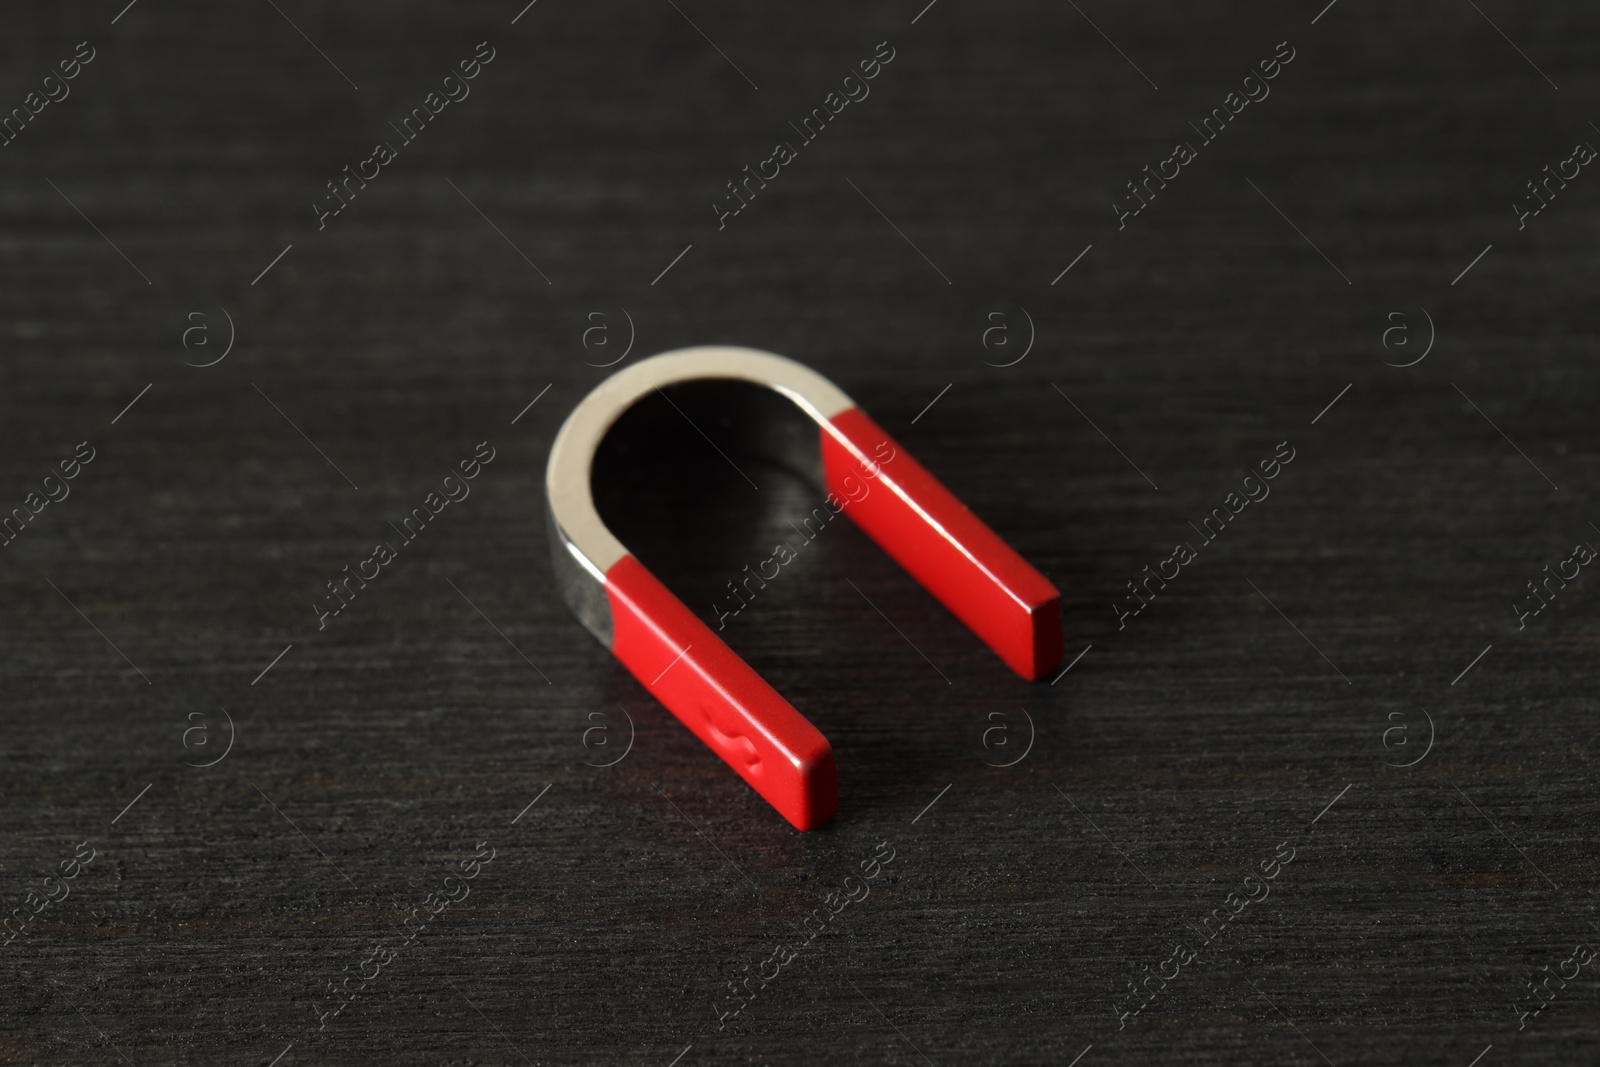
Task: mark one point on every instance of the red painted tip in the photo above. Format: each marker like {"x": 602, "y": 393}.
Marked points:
{"x": 718, "y": 696}
{"x": 916, "y": 520}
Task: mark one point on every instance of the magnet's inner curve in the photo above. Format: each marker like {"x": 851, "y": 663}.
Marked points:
{"x": 702, "y": 474}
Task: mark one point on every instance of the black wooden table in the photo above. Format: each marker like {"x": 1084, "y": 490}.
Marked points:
{"x": 1318, "y": 789}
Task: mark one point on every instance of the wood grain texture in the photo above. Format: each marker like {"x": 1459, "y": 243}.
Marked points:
{"x": 1172, "y": 760}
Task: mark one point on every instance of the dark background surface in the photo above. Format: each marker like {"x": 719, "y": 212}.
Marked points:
{"x": 371, "y": 759}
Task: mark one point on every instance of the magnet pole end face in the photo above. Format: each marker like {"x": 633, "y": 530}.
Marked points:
{"x": 816, "y": 801}
{"x": 1043, "y": 645}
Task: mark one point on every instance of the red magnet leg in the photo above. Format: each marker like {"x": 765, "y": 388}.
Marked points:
{"x": 935, "y": 537}
{"x": 715, "y": 693}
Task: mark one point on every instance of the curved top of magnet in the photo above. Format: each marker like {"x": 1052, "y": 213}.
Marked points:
{"x": 567, "y": 478}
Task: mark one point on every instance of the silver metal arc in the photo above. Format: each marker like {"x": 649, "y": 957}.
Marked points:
{"x": 581, "y": 546}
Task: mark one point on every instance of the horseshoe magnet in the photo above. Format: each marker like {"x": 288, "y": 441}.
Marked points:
{"x": 821, "y": 433}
